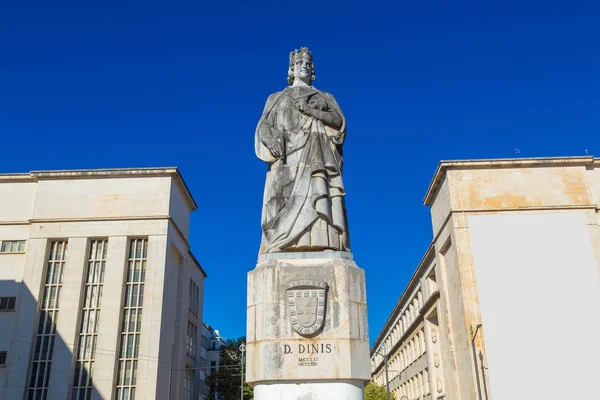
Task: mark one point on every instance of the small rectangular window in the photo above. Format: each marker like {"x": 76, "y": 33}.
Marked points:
{"x": 7, "y": 303}
{"x": 12, "y": 246}
{"x": 3, "y": 355}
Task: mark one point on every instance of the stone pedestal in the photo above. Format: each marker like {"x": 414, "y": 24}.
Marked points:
{"x": 307, "y": 335}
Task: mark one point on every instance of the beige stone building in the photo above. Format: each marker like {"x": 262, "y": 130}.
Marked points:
{"x": 505, "y": 303}
{"x": 100, "y": 296}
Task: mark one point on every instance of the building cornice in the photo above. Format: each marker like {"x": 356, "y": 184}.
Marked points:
{"x": 445, "y": 165}
{"x": 19, "y": 177}
{"x": 195, "y": 261}
{"x": 173, "y": 172}
{"x": 97, "y": 219}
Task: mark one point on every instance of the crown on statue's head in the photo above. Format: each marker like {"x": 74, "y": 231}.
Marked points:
{"x": 296, "y": 55}
{"x": 299, "y": 54}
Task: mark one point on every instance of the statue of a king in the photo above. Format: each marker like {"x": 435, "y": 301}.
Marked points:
{"x": 300, "y": 135}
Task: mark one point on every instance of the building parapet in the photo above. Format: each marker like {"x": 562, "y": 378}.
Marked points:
{"x": 35, "y": 176}
{"x": 444, "y": 165}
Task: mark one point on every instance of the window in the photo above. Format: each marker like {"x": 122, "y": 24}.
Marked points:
{"x": 431, "y": 282}
{"x": 41, "y": 359}
{"x": 191, "y": 340}
{"x": 7, "y": 303}
{"x": 132, "y": 320}
{"x": 3, "y": 356}
{"x": 188, "y": 384}
{"x": 12, "y": 246}
{"x": 193, "y": 297}
{"x": 190, "y": 297}
{"x": 88, "y": 326}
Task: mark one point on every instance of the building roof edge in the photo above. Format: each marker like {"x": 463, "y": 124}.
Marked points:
{"x": 444, "y": 165}
{"x": 195, "y": 261}
{"x": 102, "y": 173}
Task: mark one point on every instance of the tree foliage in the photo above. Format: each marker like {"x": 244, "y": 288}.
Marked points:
{"x": 225, "y": 383}
{"x": 376, "y": 392}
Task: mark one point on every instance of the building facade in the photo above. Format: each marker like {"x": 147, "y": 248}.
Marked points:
{"x": 103, "y": 296}
{"x": 210, "y": 355}
{"x": 505, "y": 302}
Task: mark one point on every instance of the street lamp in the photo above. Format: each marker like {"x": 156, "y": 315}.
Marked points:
{"x": 473, "y": 336}
{"x": 385, "y": 361}
{"x": 243, "y": 349}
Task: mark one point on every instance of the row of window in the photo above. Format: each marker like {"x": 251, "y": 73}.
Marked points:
{"x": 408, "y": 316}
{"x": 416, "y": 387}
{"x": 410, "y": 352}
{"x": 41, "y": 358}
{"x": 85, "y": 351}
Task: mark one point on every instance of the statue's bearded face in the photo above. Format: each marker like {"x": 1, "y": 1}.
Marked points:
{"x": 303, "y": 69}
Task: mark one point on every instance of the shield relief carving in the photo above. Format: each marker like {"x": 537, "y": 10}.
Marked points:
{"x": 306, "y": 300}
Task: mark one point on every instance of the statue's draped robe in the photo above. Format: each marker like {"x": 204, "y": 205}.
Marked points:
{"x": 303, "y": 207}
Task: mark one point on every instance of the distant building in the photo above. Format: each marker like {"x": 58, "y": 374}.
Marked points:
{"x": 99, "y": 293}
{"x": 210, "y": 353}
{"x": 506, "y": 300}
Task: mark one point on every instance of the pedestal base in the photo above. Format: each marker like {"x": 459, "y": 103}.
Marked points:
{"x": 338, "y": 390}
{"x": 307, "y": 335}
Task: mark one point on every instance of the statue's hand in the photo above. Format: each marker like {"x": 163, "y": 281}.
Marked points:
{"x": 276, "y": 148}
{"x": 302, "y": 106}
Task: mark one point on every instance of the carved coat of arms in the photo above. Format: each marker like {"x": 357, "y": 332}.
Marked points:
{"x": 306, "y": 300}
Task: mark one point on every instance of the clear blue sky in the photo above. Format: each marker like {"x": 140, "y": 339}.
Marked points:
{"x": 138, "y": 85}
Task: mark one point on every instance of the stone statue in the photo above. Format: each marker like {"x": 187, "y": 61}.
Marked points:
{"x": 300, "y": 135}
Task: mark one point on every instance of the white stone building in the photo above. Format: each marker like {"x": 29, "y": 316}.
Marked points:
{"x": 210, "y": 355}
{"x": 505, "y": 304}
{"x": 101, "y": 297}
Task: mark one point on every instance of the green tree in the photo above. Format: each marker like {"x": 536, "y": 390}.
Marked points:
{"x": 376, "y": 392}
{"x": 225, "y": 383}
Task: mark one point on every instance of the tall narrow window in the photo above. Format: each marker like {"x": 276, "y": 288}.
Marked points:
{"x": 41, "y": 359}
{"x": 188, "y": 384}
{"x": 132, "y": 320}
{"x": 193, "y": 297}
{"x": 192, "y": 331}
{"x": 190, "y": 296}
{"x": 88, "y": 328}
